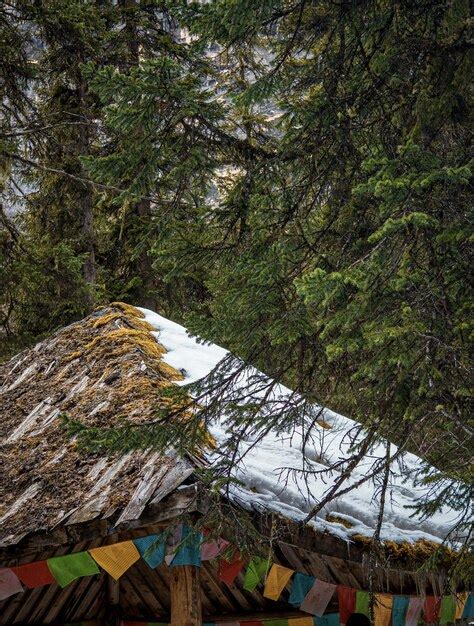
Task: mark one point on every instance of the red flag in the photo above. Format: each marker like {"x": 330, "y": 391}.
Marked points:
{"x": 228, "y": 570}
{"x": 252, "y": 623}
{"x": 431, "y": 609}
{"x": 347, "y": 602}
{"x": 34, "y": 574}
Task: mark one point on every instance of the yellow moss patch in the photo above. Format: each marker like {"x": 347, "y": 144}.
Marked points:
{"x": 128, "y": 309}
{"x": 127, "y": 338}
{"x": 417, "y": 552}
{"x": 338, "y": 520}
{"x": 137, "y": 323}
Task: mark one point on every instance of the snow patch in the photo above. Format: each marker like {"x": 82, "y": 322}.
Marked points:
{"x": 266, "y": 486}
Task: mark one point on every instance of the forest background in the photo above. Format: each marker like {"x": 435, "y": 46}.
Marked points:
{"x": 287, "y": 178}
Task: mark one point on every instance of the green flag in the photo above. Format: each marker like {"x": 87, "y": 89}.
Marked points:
{"x": 448, "y": 610}
{"x": 67, "y": 568}
{"x": 362, "y": 603}
{"x": 256, "y": 572}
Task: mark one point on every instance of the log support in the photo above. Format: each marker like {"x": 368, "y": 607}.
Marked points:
{"x": 185, "y": 596}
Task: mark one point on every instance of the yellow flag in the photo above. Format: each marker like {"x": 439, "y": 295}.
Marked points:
{"x": 460, "y": 601}
{"x": 117, "y": 558}
{"x": 277, "y": 578}
{"x": 382, "y": 609}
{"x": 300, "y": 621}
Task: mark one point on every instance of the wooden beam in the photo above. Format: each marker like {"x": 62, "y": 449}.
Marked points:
{"x": 185, "y": 596}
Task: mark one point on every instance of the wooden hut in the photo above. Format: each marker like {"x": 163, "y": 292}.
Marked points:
{"x": 57, "y": 499}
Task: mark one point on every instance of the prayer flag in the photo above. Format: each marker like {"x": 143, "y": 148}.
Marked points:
{"x": 347, "y": 599}
{"x": 330, "y": 619}
{"x": 34, "y": 574}
{"x": 276, "y": 581}
{"x": 362, "y": 603}
{"x": 227, "y": 623}
{"x": 212, "y": 548}
{"x": 67, "y": 568}
{"x": 9, "y": 583}
{"x": 460, "y": 603}
{"x": 116, "y": 558}
{"x": 468, "y": 610}
{"x": 383, "y": 609}
{"x": 300, "y": 621}
{"x": 276, "y": 622}
{"x": 256, "y": 571}
{"x": 399, "y": 610}
{"x": 172, "y": 542}
{"x": 300, "y": 585}
{"x": 448, "y": 610}
{"x": 189, "y": 551}
{"x": 253, "y": 623}
{"x": 414, "y": 611}
{"x": 152, "y": 549}
{"x": 318, "y": 598}
{"x": 431, "y": 609}
{"x": 229, "y": 570}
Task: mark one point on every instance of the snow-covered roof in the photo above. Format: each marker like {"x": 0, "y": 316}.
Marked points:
{"x": 260, "y": 472}
{"x": 111, "y": 368}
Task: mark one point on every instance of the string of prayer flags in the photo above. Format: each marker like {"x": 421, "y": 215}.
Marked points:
{"x": 414, "y": 611}
{"x": 460, "y": 600}
{"x": 152, "y": 549}
{"x": 9, "y": 583}
{"x": 116, "y": 558}
{"x": 318, "y": 598}
{"x": 330, "y": 619}
{"x": 277, "y": 579}
{"x": 347, "y": 600}
{"x": 189, "y": 551}
{"x": 230, "y": 569}
{"x": 300, "y": 585}
{"x": 256, "y": 571}
{"x": 67, "y": 568}
{"x": 399, "y": 610}
{"x": 34, "y": 574}
{"x": 276, "y": 622}
{"x": 468, "y": 610}
{"x": 362, "y": 602}
{"x": 383, "y": 609}
{"x": 431, "y": 609}
{"x": 447, "y": 610}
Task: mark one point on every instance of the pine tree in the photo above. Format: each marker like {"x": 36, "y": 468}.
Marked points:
{"x": 334, "y": 256}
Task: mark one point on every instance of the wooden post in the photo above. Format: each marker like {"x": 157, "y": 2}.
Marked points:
{"x": 112, "y": 610}
{"x": 185, "y": 594}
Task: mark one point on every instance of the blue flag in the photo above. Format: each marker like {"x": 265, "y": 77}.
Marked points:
{"x": 469, "y": 607}
{"x": 152, "y": 549}
{"x": 330, "y": 619}
{"x": 300, "y": 586}
{"x": 189, "y": 550}
{"x": 399, "y": 610}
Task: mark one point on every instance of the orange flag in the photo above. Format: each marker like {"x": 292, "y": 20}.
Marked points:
{"x": 460, "y": 601}
{"x": 276, "y": 581}
{"x": 117, "y": 558}
{"x": 382, "y": 609}
{"x": 301, "y": 621}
